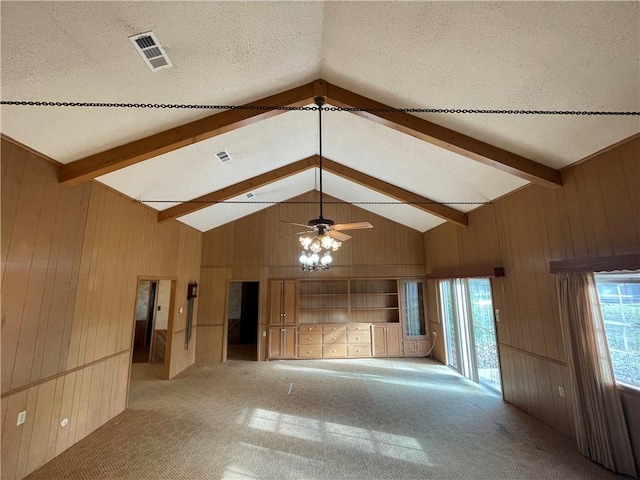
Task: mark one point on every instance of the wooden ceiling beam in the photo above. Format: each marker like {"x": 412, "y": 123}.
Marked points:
{"x": 443, "y": 211}
{"x": 137, "y": 151}
{"x": 445, "y": 138}
{"x": 237, "y": 189}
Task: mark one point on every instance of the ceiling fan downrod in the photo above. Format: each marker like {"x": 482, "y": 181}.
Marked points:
{"x": 320, "y": 101}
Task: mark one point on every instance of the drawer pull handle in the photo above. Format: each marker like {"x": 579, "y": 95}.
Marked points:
{"x": 308, "y": 338}
{"x": 333, "y": 338}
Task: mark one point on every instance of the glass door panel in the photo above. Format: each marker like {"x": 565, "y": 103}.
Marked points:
{"x": 467, "y": 311}
{"x": 412, "y": 292}
{"x": 447, "y": 308}
{"x": 484, "y": 334}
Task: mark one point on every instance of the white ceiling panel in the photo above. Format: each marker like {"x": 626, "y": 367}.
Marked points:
{"x": 219, "y": 214}
{"x": 194, "y": 170}
{"x": 496, "y": 55}
{"x": 412, "y": 164}
{"x": 282, "y": 190}
{"x": 224, "y": 53}
{"x": 351, "y": 192}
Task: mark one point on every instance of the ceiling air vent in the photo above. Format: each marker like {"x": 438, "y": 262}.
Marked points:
{"x": 251, "y": 195}
{"x": 223, "y": 156}
{"x": 151, "y": 51}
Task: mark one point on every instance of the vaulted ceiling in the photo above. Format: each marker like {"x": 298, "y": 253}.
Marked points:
{"x": 460, "y": 55}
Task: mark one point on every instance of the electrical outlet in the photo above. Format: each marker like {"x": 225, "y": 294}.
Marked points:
{"x": 22, "y": 417}
{"x": 561, "y": 391}
{"x": 264, "y": 334}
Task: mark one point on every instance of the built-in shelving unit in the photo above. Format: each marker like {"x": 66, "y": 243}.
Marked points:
{"x": 374, "y": 300}
{"x": 344, "y": 318}
{"x": 322, "y": 301}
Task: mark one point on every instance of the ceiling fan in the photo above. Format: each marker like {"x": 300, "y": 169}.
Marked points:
{"x": 323, "y": 234}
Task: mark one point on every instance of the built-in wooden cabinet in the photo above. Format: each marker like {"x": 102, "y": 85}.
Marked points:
{"x": 386, "y": 340}
{"x": 413, "y": 319}
{"x": 347, "y": 318}
{"x": 282, "y": 342}
{"x": 358, "y": 340}
{"x": 282, "y": 302}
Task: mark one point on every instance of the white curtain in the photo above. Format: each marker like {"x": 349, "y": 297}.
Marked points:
{"x": 601, "y": 431}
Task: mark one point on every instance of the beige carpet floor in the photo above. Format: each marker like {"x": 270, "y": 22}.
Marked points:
{"x": 324, "y": 419}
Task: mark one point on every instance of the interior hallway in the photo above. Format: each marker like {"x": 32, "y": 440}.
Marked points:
{"x": 340, "y": 419}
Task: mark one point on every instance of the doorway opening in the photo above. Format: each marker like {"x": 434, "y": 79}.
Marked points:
{"x": 153, "y": 307}
{"x": 242, "y": 321}
{"x": 470, "y": 334}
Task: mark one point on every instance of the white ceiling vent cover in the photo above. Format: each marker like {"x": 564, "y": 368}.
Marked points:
{"x": 151, "y": 51}
{"x": 223, "y": 156}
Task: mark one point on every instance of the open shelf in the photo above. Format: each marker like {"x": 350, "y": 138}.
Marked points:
{"x": 368, "y": 300}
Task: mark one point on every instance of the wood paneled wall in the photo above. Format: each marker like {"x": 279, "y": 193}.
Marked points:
{"x": 252, "y": 248}
{"x": 71, "y": 258}
{"x": 596, "y": 213}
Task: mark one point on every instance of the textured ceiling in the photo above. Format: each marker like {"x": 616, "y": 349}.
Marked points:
{"x": 503, "y": 55}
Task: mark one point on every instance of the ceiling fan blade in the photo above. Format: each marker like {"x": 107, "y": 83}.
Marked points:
{"x": 294, "y": 223}
{"x": 342, "y": 237}
{"x": 352, "y": 226}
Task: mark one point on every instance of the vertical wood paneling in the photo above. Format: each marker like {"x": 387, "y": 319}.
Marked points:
{"x": 255, "y": 247}
{"x": 66, "y": 409}
{"x": 11, "y": 435}
{"x": 596, "y": 213}
{"x": 71, "y": 259}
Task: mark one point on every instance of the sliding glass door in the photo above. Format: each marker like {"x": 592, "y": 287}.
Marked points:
{"x": 467, "y": 312}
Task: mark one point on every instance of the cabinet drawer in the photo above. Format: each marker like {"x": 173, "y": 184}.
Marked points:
{"x": 333, "y": 338}
{"x": 359, "y": 350}
{"x": 310, "y": 338}
{"x": 359, "y": 327}
{"x": 309, "y": 328}
{"x": 358, "y": 337}
{"x": 334, "y": 328}
{"x": 334, "y": 351}
{"x": 309, "y": 351}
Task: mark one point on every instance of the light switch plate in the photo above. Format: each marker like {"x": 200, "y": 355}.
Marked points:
{"x": 22, "y": 417}
{"x": 561, "y": 391}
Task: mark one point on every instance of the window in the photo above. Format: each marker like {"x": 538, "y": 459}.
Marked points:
{"x": 619, "y": 295}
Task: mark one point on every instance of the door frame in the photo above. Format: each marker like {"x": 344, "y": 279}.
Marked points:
{"x": 260, "y": 340}
{"x": 170, "y": 321}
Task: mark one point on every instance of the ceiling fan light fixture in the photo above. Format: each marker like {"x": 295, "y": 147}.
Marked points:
{"x": 316, "y": 254}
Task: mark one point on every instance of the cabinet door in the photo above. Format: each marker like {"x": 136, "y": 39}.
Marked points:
{"x": 410, "y": 348}
{"x": 394, "y": 347}
{"x": 275, "y": 302}
{"x": 378, "y": 341}
{"x": 413, "y": 309}
{"x": 275, "y": 343}
{"x": 289, "y": 302}
{"x": 288, "y": 342}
